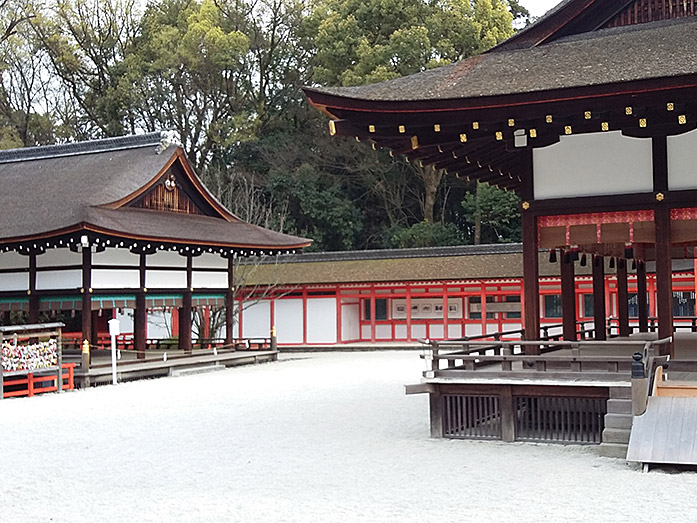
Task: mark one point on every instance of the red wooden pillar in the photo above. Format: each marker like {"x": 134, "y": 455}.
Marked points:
{"x": 409, "y": 338}
{"x": 482, "y": 306}
{"x": 304, "y": 297}
{"x": 622, "y": 298}
{"x": 641, "y": 297}
{"x": 599, "y": 311}
{"x": 445, "y": 313}
{"x": 568, "y": 297}
{"x": 230, "y": 301}
{"x": 372, "y": 315}
{"x": 140, "y": 314}
{"x": 339, "y": 335}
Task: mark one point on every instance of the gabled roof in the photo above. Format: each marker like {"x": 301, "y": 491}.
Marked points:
{"x": 90, "y": 186}
{"x": 608, "y": 56}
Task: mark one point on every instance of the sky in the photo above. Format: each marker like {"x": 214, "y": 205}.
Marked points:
{"x": 539, "y": 7}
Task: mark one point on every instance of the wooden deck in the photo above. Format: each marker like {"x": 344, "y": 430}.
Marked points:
{"x": 166, "y": 363}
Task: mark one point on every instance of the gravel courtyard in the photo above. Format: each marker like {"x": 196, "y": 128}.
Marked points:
{"x": 310, "y": 438}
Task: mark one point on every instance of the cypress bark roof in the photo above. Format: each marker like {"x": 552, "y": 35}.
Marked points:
{"x": 617, "y": 55}
{"x": 52, "y": 190}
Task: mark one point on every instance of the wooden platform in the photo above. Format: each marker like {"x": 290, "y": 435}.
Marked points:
{"x": 157, "y": 366}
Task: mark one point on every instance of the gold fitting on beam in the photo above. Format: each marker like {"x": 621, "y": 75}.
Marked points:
{"x": 414, "y": 142}
{"x": 436, "y": 128}
{"x": 682, "y": 119}
{"x": 475, "y": 125}
{"x": 371, "y": 128}
{"x": 332, "y": 128}
{"x": 660, "y": 197}
{"x": 670, "y": 106}
{"x": 29, "y": 292}
{"x": 549, "y": 119}
{"x": 525, "y": 205}
{"x": 605, "y": 126}
{"x": 499, "y": 135}
{"x": 642, "y": 122}
{"x": 628, "y": 110}
{"x": 587, "y": 115}
{"x": 401, "y": 129}
{"x": 511, "y": 122}
{"x": 568, "y": 129}
{"x": 533, "y": 133}
{"x": 463, "y": 137}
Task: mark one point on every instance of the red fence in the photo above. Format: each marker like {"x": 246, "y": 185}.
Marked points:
{"x": 30, "y": 383}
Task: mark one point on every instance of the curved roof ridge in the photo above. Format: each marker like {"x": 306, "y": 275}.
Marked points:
{"x": 77, "y": 148}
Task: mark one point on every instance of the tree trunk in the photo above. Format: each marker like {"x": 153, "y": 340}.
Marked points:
{"x": 431, "y": 178}
{"x": 477, "y": 217}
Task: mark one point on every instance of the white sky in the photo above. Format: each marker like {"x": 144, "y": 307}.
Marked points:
{"x": 539, "y": 7}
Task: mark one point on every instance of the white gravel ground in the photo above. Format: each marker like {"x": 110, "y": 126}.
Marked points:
{"x": 311, "y": 438}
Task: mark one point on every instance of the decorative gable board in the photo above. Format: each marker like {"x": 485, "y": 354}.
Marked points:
{"x": 174, "y": 192}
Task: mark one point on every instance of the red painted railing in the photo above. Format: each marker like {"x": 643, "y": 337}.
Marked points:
{"x": 44, "y": 382}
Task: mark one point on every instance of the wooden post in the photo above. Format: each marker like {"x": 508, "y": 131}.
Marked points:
{"x": 622, "y": 298}
{"x": 599, "y": 314}
{"x": 408, "y": 311}
{"x": 86, "y": 300}
{"x": 372, "y": 315}
{"x": 531, "y": 285}
{"x": 568, "y": 297}
{"x": 33, "y": 296}
{"x": 436, "y": 411}
{"x": 140, "y": 319}
{"x": 185, "y": 312}
{"x": 641, "y": 296}
{"x": 664, "y": 274}
{"x": 230, "y": 301}
{"x": 507, "y": 414}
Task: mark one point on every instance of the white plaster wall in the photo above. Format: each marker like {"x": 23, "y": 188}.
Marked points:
{"x": 454, "y": 332}
{"x": 593, "y": 164}
{"x": 289, "y": 320}
{"x": 115, "y": 279}
{"x": 321, "y": 320}
{"x": 58, "y": 258}
{"x": 155, "y": 279}
{"x": 166, "y": 259}
{"x": 12, "y": 260}
{"x": 350, "y": 321}
{"x": 209, "y": 280}
{"x": 211, "y": 261}
{"x": 512, "y": 326}
{"x": 116, "y": 257}
{"x": 418, "y": 331}
{"x": 52, "y": 280}
{"x": 256, "y": 320}
{"x": 492, "y": 328}
{"x": 365, "y": 332}
{"x": 473, "y": 330}
{"x": 14, "y": 281}
{"x": 436, "y": 331}
{"x": 682, "y": 161}
{"x": 400, "y": 332}
{"x": 383, "y": 332}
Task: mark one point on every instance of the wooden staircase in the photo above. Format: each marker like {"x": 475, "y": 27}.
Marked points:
{"x": 618, "y": 423}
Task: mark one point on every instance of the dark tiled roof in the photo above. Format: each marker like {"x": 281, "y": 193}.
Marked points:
{"x": 608, "y": 56}
{"x": 56, "y": 188}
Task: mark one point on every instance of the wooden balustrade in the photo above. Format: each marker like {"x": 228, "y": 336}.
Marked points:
{"x": 23, "y": 383}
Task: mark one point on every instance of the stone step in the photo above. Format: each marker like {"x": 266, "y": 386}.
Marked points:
{"x": 621, "y": 392}
{"x": 618, "y": 421}
{"x": 619, "y": 406}
{"x": 612, "y": 435}
{"x": 196, "y": 370}
{"x": 613, "y": 450}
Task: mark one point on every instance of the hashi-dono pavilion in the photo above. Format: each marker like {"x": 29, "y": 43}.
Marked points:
{"x": 589, "y": 115}
{"x": 118, "y": 223}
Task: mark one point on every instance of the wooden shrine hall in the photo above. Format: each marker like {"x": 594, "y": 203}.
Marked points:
{"x": 118, "y": 223}
{"x": 589, "y": 114}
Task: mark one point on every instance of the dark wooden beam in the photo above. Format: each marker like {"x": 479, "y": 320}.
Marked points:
{"x": 664, "y": 273}
{"x": 641, "y": 296}
{"x": 87, "y": 294}
{"x": 33, "y": 295}
{"x": 599, "y": 313}
{"x": 531, "y": 274}
{"x": 568, "y": 296}
{"x": 186, "y": 309}
{"x": 622, "y": 298}
{"x": 140, "y": 314}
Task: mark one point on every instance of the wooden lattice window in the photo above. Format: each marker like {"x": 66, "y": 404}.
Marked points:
{"x": 168, "y": 195}
{"x": 643, "y": 11}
